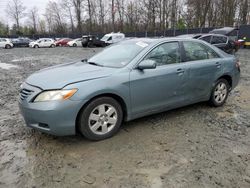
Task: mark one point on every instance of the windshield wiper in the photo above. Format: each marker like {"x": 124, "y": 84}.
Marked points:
{"x": 96, "y": 64}
{"x": 91, "y": 63}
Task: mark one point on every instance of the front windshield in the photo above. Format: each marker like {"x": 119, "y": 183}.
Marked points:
{"x": 118, "y": 55}
{"x": 105, "y": 38}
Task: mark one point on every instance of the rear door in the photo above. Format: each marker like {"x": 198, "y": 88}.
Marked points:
{"x": 204, "y": 67}
{"x": 48, "y": 42}
{"x": 156, "y": 89}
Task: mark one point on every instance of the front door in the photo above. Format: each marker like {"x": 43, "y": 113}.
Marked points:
{"x": 155, "y": 89}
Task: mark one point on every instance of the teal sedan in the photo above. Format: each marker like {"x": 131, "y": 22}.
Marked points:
{"x": 125, "y": 81}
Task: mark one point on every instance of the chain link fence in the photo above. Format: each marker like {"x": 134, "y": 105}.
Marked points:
{"x": 243, "y": 31}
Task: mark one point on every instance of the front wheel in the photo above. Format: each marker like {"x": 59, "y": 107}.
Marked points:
{"x": 74, "y": 45}
{"x": 100, "y": 119}
{"x": 52, "y": 46}
{"x": 219, "y": 93}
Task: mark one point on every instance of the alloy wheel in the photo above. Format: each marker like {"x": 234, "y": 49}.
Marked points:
{"x": 220, "y": 92}
{"x": 102, "y": 119}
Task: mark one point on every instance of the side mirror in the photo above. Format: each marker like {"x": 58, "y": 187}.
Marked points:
{"x": 147, "y": 64}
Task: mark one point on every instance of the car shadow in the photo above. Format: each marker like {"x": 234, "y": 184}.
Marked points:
{"x": 137, "y": 123}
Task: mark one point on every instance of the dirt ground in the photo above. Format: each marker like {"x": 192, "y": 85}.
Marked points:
{"x": 194, "y": 146}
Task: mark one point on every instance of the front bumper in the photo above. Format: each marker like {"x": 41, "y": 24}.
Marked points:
{"x": 52, "y": 117}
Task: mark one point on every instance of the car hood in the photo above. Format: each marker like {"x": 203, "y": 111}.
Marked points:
{"x": 59, "y": 76}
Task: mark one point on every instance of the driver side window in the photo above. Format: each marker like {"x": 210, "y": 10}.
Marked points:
{"x": 164, "y": 54}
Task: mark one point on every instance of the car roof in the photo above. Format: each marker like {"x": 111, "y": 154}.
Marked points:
{"x": 190, "y": 35}
{"x": 212, "y": 34}
{"x": 154, "y": 41}
{"x": 224, "y": 30}
{"x": 196, "y": 36}
{"x": 112, "y": 34}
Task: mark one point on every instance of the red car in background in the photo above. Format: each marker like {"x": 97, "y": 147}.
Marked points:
{"x": 62, "y": 42}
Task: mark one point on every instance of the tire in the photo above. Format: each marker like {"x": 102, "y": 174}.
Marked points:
{"x": 96, "y": 128}
{"x": 7, "y": 46}
{"x": 219, "y": 93}
{"x": 36, "y": 46}
{"x": 90, "y": 45}
{"x": 74, "y": 45}
{"x": 52, "y": 46}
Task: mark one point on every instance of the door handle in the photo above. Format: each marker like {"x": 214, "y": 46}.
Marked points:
{"x": 180, "y": 71}
{"x": 218, "y": 64}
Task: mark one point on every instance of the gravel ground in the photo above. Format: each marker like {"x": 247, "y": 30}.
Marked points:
{"x": 194, "y": 146}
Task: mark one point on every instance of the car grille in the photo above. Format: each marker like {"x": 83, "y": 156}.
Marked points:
{"x": 24, "y": 93}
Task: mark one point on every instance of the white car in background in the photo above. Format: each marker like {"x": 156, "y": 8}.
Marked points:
{"x": 6, "y": 43}
{"x": 75, "y": 42}
{"x": 112, "y": 38}
{"x": 43, "y": 43}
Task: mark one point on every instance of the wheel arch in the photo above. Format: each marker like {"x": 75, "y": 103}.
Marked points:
{"x": 228, "y": 78}
{"x": 118, "y": 98}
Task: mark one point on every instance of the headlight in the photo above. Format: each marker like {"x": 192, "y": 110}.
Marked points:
{"x": 55, "y": 95}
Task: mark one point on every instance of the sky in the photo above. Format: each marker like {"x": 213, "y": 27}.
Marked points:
{"x": 40, "y": 4}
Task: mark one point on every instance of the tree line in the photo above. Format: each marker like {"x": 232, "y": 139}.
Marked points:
{"x": 88, "y": 16}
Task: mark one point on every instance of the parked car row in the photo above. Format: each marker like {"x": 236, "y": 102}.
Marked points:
{"x": 221, "y": 41}
{"x": 84, "y": 41}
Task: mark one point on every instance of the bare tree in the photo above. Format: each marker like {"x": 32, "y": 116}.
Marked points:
{"x": 33, "y": 18}
{"x": 15, "y": 11}
{"x": 78, "y": 5}
{"x": 120, "y": 9}
{"x": 55, "y": 17}
{"x": 89, "y": 4}
{"x": 42, "y": 26}
{"x": 113, "y": 10}
{"x": 101, "y": 15}
{"x": 67, "y": 5}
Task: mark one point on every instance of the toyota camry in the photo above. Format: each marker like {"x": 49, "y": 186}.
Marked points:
{"x": 125, "y": 81}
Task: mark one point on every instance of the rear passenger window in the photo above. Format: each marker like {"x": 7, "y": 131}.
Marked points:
{"x": 164, "y": 54}
{"x": 206, "y": 38}
{"x": 195, "y": 51}
{"x": 219, "y": 40}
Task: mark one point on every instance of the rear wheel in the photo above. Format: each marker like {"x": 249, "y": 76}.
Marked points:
{"x": 52, "y": 46}
{"x": 219, "y": 93}
{"x": 90, "y": 44}
{"x": 36, "y": 46}
{"x": 74, "y": 45}
{"x": 7, "y": 46}
{"x": 100, "y": 119}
